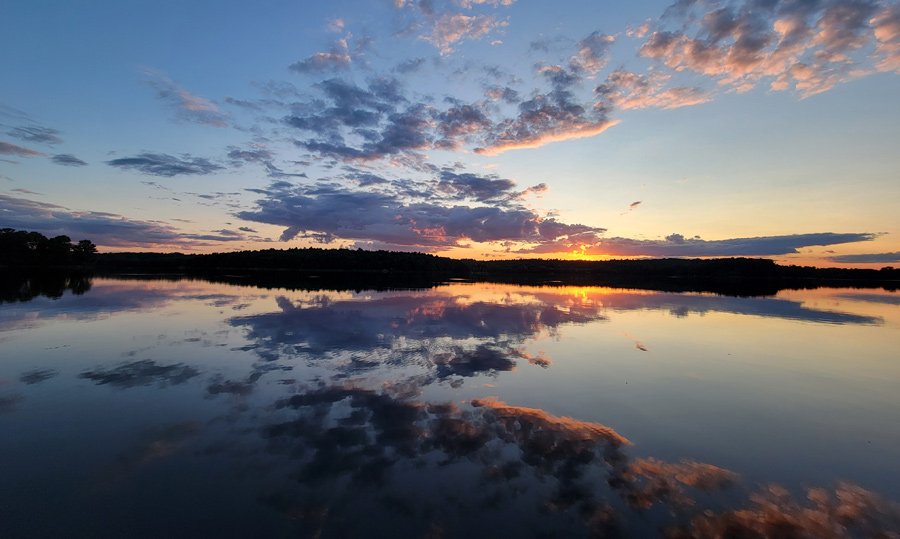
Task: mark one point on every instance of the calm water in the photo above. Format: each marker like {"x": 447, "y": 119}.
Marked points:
{"x": 187, "y": 408}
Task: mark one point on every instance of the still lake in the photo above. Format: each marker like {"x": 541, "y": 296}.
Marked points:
{"x": 160, "y": 408}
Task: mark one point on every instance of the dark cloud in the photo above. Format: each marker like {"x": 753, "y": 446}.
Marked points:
{"x": 251, "y": 155}
{"x": 41, "y": 135}
{"x": 67, "y": 159}
{"x": 677, "y": 245}
{"x": 7, "y": 148}
{"x": 411, "y": 65}
{"x": 871, "y": 258}
{"x": 104, "y": 229}
{"x": 160, "y": 164}
{"x": 188, "y": 107}
{"x": 37, "y": 376}
{"x": 337, "y": 212}
{"x": 141, "y": 373}
{"x": 472, "y": 186}
{"x": 273, "y": 171}
{"x": 429, "y": 326}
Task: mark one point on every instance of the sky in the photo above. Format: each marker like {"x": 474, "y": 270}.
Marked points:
{"x": 467, "y": 128}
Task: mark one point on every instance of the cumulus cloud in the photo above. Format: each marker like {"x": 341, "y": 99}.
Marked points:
{"x": 676, "y": 245}
{"x": 160, "y": 164}
{"x": 7, "y": 148}
{"x": 337, "y": 57}
{"x": 870, "y": 258}
{"x": 189, "y": 107}
{"x": 67, "y": 159}
{"x": 807, "y": 47}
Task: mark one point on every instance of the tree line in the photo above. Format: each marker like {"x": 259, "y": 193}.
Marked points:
{"x": 24, "y": 248}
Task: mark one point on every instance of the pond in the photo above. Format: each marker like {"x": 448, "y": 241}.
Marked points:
{"x": 156, "y": 408}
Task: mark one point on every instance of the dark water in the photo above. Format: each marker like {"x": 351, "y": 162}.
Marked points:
{"x": 186, "y": 408}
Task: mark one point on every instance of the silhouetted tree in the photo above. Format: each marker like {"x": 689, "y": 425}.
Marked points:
{"x": 84, "y": 252}
{"x": 23, "y": 248}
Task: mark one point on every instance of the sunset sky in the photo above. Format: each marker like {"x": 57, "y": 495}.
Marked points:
{"x": 467, "y": 128}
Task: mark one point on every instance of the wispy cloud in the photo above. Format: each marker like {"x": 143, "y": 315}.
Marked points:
{"x": 160, "y": 164}
{"x": 188, "y": 107}
{"x": 628, "y": 90}
{"x": 38, "y": 134}
{"x": 870, "y": 258}
{"x": 7, "y": 148}
{"x": 67, "y": 159}
{"x": 676, "y": 245}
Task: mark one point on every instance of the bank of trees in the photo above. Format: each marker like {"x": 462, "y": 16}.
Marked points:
{"x": 24, "y": 248}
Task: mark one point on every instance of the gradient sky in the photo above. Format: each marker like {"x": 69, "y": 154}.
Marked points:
{"x": 469, "y": 128}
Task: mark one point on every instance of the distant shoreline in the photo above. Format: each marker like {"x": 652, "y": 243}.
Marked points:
{"x": 349, "y": 269}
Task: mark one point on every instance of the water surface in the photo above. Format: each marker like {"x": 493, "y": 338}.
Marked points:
{"x": 184, "y": 408}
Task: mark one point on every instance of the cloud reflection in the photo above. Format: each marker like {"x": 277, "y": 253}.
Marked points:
{"x": 141, "y": 373}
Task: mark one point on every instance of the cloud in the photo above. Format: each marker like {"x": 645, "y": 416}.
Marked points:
{"x": 411, "y": 65}
{"x": 160, "y": 164}
{"x": 67, "y": 159}
{"x": 336, "y": 25}
{"x": 105, "y": 229}
{"x": 338, "y": 57}
{"x": 469, "y": 4}
{"x": 363, "y": 123}
{"x": 451, "y": 28}
{"x": 141, "y": 373}
{"x": 239, "y": 156}
{"x": 627, "y": 90}
{"x": 398, "y": 216}
{"x": 471, "y": 186}
{"x": 871, "y": 258}
{"x": 887, "y": 35}
{"x": 807, "y": 47}
{"x": 42, "y": 135}
{"x": 188, "y": 107}
{"x": 677, "y": 245}
{"x": 546, "y": 118}
{"x": 592, "y": 53}
{"x": 7, "y": 148}
{"x": 37, "y": 376}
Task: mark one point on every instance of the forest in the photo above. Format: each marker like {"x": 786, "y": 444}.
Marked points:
{"x": 347, "y": 268}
